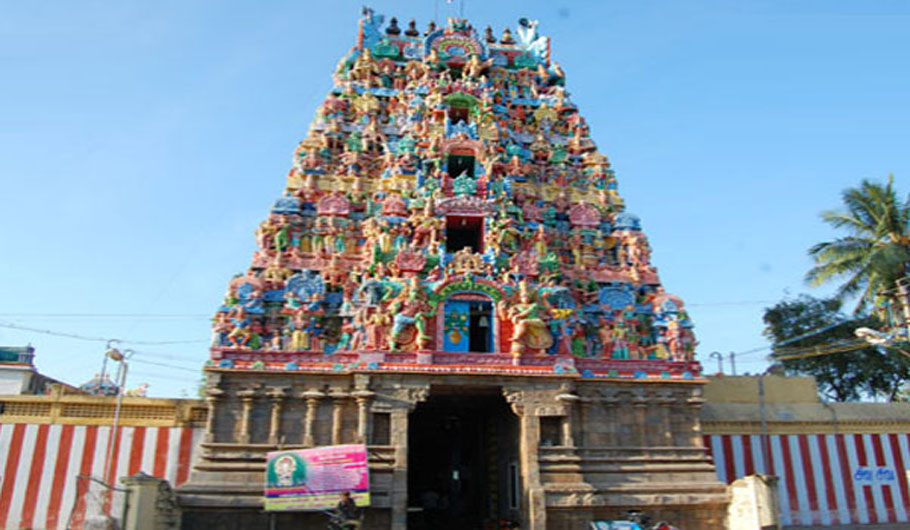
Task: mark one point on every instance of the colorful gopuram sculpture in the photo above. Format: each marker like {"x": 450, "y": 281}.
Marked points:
{"x": 448, "y": 200}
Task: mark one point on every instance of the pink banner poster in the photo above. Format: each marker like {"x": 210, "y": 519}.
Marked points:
{"x": 313, "y": 479}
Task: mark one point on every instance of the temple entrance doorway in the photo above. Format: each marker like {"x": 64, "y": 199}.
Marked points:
{"x": 468, "y": 324}
{"x": 462, "y": 460}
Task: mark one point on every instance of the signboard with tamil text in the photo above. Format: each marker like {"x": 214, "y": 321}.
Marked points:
{"x": 871, "y": 475}
{"x": 313, "y": 479}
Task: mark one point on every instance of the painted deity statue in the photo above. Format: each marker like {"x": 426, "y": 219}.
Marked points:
{"x": 529, "y": 332}
{"x": 411, "y": 310}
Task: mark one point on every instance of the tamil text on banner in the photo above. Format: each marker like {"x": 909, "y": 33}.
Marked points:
{"x": 313, "y": 479}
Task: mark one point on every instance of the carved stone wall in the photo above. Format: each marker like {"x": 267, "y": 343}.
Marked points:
{"x": 587, "y": 449}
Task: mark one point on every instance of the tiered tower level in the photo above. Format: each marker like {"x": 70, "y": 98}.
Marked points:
{"x": 448, "y": 209}
{"x": 450, "y": 278}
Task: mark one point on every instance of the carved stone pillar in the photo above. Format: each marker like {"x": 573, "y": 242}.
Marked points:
{"x": 640, "y": 417}
{"x": 664, "y": 403}
{"x": 399, "y": 494}
{"x": 680, "y": 419}
{"x": 584, "y": 413}
{"x": 569, "y": 399}
{"x": 276, "y": 395}
{"x": 212, "y": 395}
{"x": 362, "y": 397}
{"x": 695, "y": 402}
{"x": 612, "y": 418}
{"x": 339, "y": 397}
{"x": 246, "y": 399}
{"x": 534, "y": 517}
{"x": 404, "y": 400}
{"x": 312, "y": 398}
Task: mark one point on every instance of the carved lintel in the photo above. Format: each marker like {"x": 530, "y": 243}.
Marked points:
{"x": 381, "y": 407}
{"x": 247, "y": 394}
{"x": 312, "y": 394}
{"x": 277, "y": 393}
{"x": 410, "y": 395}
{"x": 362, "y": 395}
{"x": 361, "y": 381}
{"x": 515, "y": 399}
{"x": 549, "y": 410}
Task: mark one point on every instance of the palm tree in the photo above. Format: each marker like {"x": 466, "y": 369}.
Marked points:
{"x": 876, "y": 252}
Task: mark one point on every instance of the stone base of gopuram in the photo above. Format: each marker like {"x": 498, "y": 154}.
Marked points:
{"x": 551, "y": 443}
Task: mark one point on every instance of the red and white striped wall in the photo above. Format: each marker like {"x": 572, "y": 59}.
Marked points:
{"x": 40, "y": 463}
{"x": 825, "y": 479}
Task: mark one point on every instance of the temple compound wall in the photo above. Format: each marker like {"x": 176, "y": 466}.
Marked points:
{"x": 838, "y": 464}
{"x": 48, "y": 442}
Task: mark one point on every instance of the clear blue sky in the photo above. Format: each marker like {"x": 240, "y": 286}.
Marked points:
{"x": 141, "y": 143}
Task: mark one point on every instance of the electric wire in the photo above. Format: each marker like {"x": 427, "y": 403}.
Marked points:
{"x": 789, "y": 354}
{"x": 168, "y": 356}
{"x": 105, "y": 315}
{"x": 169, "y": 377}
{"x": 739, "y": 303}
{"x": 165, "y": 365}
{"x": 90, "y": 338}
{"x": 805, "y": 335}
{"x": 818, "y": 351}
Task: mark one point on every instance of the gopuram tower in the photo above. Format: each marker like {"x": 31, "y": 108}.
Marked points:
{"x": 451, "y": 278}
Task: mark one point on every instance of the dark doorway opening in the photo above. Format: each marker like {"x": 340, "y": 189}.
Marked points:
{"x": 464, "y": 232}
{"x": 480, "y": 327}
{"x": 462, "y": 460}
{"x": 458, "y": 164}
{"x": 457, "y": 114}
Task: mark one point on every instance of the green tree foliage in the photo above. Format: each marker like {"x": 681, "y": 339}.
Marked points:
{"x": 876, "y": 251}
{"x": 845, "y": 376}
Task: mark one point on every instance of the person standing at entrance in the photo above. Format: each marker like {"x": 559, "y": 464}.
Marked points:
{"x": 348, "y": 512}
{"x": 430, "y": 501}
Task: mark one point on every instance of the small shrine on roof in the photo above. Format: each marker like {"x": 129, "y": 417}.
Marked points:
{"x": 451, "y": 271}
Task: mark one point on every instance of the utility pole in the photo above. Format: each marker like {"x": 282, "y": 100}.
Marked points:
{"x": 732, "y": 356}
{"x": 720, "y": 360}
{"x": 764, "y": 423}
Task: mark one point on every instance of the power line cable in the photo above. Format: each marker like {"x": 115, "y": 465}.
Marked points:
{"x": 164, "y": 365}
{"x": 201, "y": 237}
{"x": 169, "y": 377}
{"x": 103, "y": 315}
{"x": 77, "y": 336}
{"x": 818, "y": 351}
{"x": 805, "y": 335}
{"x": 743, "y": 302}
{"x": 168, "y": 356}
